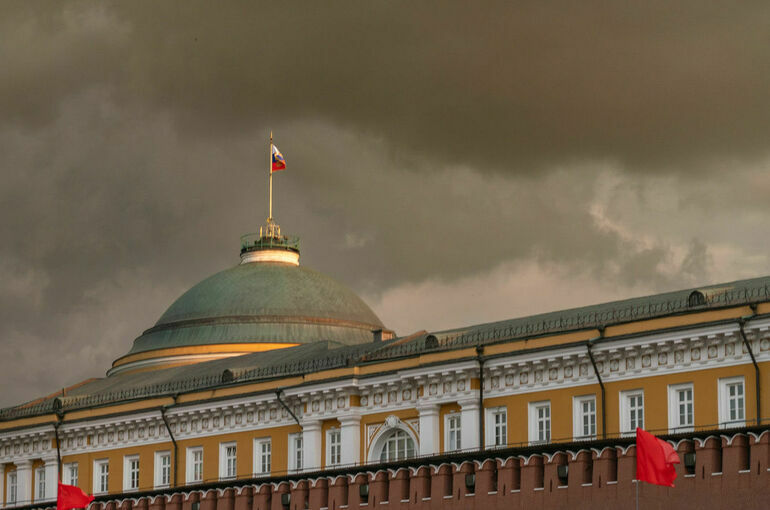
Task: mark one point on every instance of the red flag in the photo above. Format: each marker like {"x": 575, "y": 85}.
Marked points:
{"x": 655, "y": 459}
{"x": 71, "y": 497}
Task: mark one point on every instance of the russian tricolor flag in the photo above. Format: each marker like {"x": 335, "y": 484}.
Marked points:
{"x": 278, "y": 161}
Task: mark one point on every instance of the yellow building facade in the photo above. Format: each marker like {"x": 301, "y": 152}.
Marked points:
{"x": 304, "y": 378}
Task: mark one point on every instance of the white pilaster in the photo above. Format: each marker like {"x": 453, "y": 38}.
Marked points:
{"x": 311, "y": 445}
{"x": 469, "y": 423}
{"x": 430, "y": 442}
{"x": 23, "y": 482}
{"x": 51, "y": 477}
{"x": 2, "y": 484}
{"x": 350, "y": 437}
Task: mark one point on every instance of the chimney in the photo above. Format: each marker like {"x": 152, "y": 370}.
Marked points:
{"x": 377, "y": 335}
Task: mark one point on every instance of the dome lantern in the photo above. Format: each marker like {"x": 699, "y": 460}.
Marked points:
{"x": 269, "y": 246}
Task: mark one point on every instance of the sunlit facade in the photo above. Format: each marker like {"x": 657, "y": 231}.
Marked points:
{"x": 274, "y": 377}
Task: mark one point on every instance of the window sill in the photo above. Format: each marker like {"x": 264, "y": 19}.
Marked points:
{"x": 682, "y": 429}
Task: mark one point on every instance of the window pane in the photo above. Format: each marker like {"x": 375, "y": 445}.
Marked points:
{"x": 398, "y": 446}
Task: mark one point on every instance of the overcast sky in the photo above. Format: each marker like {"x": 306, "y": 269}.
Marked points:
{"x": 453, "y": 163}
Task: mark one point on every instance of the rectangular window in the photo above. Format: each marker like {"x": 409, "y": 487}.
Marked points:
{"x": 681, "y": 415}
{"x": 295, "y": 452}
{"x": 732, "y": 402}
{"x": 735, "y": 402}
{"x": 194, "y": 465}
{"x": 500, "y": 418}
{"x": 70, "y": 473}
{"x": 263, "y": 454}
{"x": 12, "y": 488}
{"x": 228, "y": 454}
{"x": 584, "y": 417}
{"x": 40, "y": 481}
{"x": 631, "y": 411}
{"x": 334, "y": 448}
{"x": 101, "y": 476}
{"x": 453, "y": 434}
{"x": 298, "y": 452}
{"x": 131, "y": 473}
{"x": 540, "y": 422}
{"x": 162, "y": 469}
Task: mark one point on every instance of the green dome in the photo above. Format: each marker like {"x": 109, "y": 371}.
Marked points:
{"x": 262, "y": 303}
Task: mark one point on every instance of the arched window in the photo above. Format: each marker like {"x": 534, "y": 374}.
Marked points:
{"x": 696, "y": 299}
{"x": 397, "y": 446}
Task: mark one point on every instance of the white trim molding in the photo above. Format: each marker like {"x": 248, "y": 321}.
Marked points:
{"x": 101, "y": 476}
{"x": 492, "y": 427}
{"x": 584, "y": 413}
{"x": 263, "y": 456}
{"x": 732, "y": 401}
{"x": 162, "y": 469}
{"x": 453, "y": 423}
{"x": 131, "y": 473}
{"x": 191, "y": 462}
{"x": 681, "y": 407}
{"x": 539, "y": 422}
{"x": 228, "y": 460}
{"x": 630, "y": 406}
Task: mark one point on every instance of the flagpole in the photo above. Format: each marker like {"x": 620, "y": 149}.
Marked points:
{"x": 270, "y": 167}
{"x": 637, "y": 493}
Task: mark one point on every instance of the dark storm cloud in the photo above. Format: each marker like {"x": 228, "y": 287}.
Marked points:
{"x": 519, "y": 84}
{"x": 426, "y": 142}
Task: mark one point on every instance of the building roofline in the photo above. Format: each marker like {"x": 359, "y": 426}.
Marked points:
{"x": 719, "y": 297}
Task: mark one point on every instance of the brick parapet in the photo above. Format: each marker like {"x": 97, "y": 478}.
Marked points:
{"x": 730, "y": 471}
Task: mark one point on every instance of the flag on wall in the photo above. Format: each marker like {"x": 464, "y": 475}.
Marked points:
{"x": 69, "y": 497}
{"x": 655, "y": 459}
{"x": 278, "y": 161}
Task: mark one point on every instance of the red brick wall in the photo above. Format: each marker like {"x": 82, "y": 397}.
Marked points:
{"x": 731, "y": 472}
